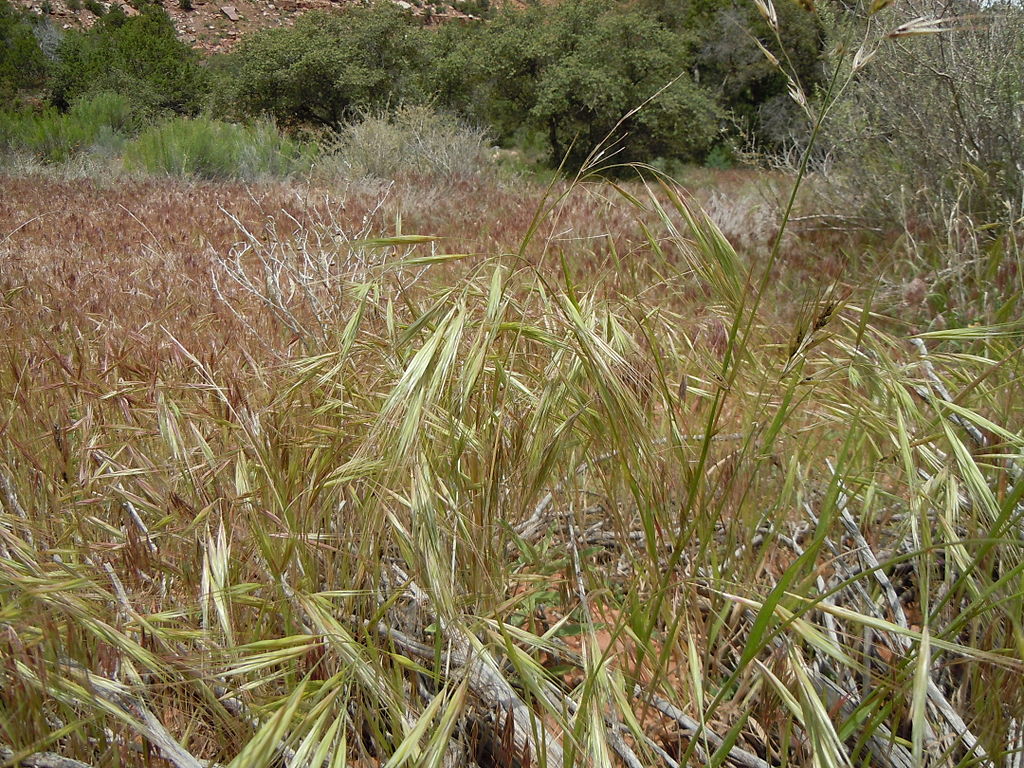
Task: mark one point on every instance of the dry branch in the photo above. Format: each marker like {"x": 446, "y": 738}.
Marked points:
{"x": 485, "y": 681}
{"x": 41, "y": 759}
{"x": 139, "y": 716}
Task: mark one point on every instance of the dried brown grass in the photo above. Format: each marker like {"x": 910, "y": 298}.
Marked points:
{"x": 285, "y": 492}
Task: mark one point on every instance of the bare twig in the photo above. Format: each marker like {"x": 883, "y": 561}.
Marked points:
{"x": 935, "y": 695}
{"x": 940, "y": 390}
{"x": 139, "y": 715}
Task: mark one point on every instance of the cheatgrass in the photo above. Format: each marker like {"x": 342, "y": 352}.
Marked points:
{"x": 446, "y": 509}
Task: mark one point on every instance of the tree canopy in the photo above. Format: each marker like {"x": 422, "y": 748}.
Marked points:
{"x": 571, "y": 72}
{"x": 22, "y": 64}
{"x": 331, "y": 64}
{"x": 139, "y": 57}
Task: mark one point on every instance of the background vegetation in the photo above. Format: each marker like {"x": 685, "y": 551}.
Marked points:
{"x": 932, "y": 120}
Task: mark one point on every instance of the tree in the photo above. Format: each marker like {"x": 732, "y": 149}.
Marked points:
{"x": 729, "y": 62}
{"x": 22, "y": 63}
{"x": 571, "y": 72}
{"x": 139, "y": 57}
{"x": 331, "y": 64}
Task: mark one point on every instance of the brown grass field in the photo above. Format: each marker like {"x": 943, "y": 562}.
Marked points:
{"x": 487, "y": 473}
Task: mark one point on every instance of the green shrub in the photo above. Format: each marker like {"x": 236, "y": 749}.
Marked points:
{"x": 22, "y": 63}
{"x": 479, "y": 8}
{"x": 571, "y": 73}
{"x": 48, "y": 135}
{"x": 330, "y": 64}
{"x": 139, "y": 57}
{"x": 105, "y": 109}
{"x": 95, "y": 7}
{"x": 95, "y": 125}
{"x": 211, "y": 149}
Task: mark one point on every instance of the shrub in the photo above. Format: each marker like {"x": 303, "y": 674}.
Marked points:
{"x": 212, "y": 149}
{"x": 139, "y": 57}
{"x": 571, "y": 73}
{"x": 48, "y": 34}
{"x": 22, "y": 63}
{"x": 48, "y": 135}
{"x": 106, "y": 109}
{"x": 329, "y": 65}
{"x": 932, "y": 125}
{"x": 97, "y": 124}
{"x": 411, "y": 141}
{"x": 479, "y": 8}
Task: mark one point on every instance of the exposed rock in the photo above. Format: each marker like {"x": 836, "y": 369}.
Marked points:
{"x": 230, "y": 11}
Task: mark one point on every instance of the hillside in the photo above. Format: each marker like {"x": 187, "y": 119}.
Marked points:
{"x": 213, "y": 26}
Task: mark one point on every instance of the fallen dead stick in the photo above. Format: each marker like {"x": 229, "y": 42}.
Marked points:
{"x": 882, "y": 745}
{"x": 888, "y": 753}
{"x": 492, "y": 689}
{"x": 935, "y": 695}
{"x": 697, "y": 730}
{"x": 485, "y": 681}
{"x": 537, "y": 521}
{"x": 425, "y": 652}
{"x": 943, "y": 394}
{"x": 141, "y": 719}
{"x": 40, "y": 759}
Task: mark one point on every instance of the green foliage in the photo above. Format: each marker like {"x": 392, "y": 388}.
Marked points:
{"x": 95, "y": 124}
{"x": 730, "y": 63}
{"x": 571, "y": 72}
{"x": 22, "y": 63}
{"x": 102, "y": 125}
{"x": 139, "y": 57}
{"x": 330, "y": 64}
{"x": 212, "y": 149}
{"x": 482, "y": 9}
